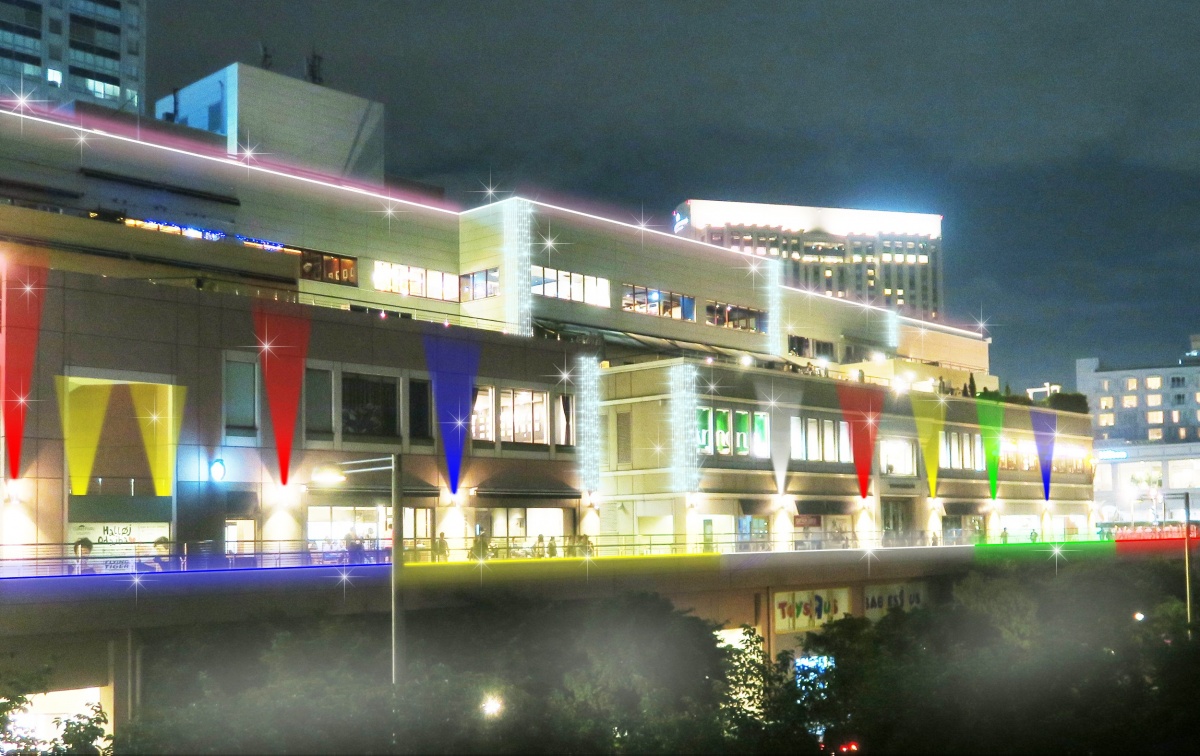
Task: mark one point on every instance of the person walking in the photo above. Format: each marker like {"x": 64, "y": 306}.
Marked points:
{"x": 1033, "y": 536}
{"x": 441, "y": 550}
{"x": 552, "y": 548}
{"x": 539, "y": 548}
{"x": 1004, "y": 536}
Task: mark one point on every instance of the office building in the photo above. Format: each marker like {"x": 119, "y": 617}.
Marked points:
{"x": 889, "y": 259}
{"x": 54, "y": 52}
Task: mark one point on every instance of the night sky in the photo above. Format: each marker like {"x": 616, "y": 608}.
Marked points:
{"x": 1061, "y": 141}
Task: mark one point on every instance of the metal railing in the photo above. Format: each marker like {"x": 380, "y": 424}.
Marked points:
{"x": 44, "y": 560}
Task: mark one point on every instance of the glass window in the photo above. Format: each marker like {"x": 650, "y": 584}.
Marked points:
{"x": 741, "y": 432}
{"x": 318, "y": 404}
{"x": 1153, "y": 400}
{"x": 980, "y": 462}
{"x": 1129, "y": 401}
{"x": 1106, "y": 420}
{"x": 896, "y": 457}
{"x": 1131, "y": 384}
{"x": 482, "y": 425}
{"x": 1154, "y": 382}
{"x": 845, "y": 451}
{"x": 369, "y": 406}
{"x": 944, "y": 451}
{"x": 1155, "y": 434}
{"x": 797, "y": 438}
{"x": 1174, "y": 416}
{"x": 564, "y": 421}
{"x": 420, "y": 409}
{"x": 1106, "y": 402}
{"x": 761, "y": 435}
{"x": 813, "y": 439}
{"x": 829, "y": 442}
{"x": 723, "y": 419}
{"x": 955, "y": 451}
{"x": 523, "y": 416}
{"x": 1155, "y": 417}
{"x": 241, "y": 398}
{"x": 704, "y": 430}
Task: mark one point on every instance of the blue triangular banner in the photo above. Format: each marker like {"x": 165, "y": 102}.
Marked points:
{"x": 453, "y": 364}
{"x": 1045, "y": 428}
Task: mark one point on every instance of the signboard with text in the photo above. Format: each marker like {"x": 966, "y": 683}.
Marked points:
{"x": 878, "y": 600}
{"x": 798, "y": 611}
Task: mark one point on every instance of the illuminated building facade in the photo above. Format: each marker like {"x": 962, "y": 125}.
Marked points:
{"x": 57, "y": 51}
{"x": 543, "y": 371}
{"x": 884, "y": 258}
{"x": 1146, "y": 422}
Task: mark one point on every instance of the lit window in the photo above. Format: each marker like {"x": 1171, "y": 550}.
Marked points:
{"x": 1154, "y": 382}
{"x": 54, "y": 77}
{"x": 922, "y": 258}
{"x": 407, "y": 280}
{"x": 1155, "y": 417}
{"x": 828, "y": 273}
{"x": 704, "y": 430}
{"x": 1129, "y": 401}
{"x": 1104, "y": 385}
{"x": 1155, "y": 434}
{"x": 1153, "y": 400}
{"x": 482, "y": 426}
{"x": 1182, "y": 433}
{"x": 760, "y": 431}
{"x": 797, "y": 438}
{"x": 887, "y": 258}
{"x": 896, "y": 457}
{"x": 523, "y": 416}
{"x": 1106, "y": 420}
{"x": 575, "y": 287}
{"x": 1175, "y": 416}
{"x": 1131, "y": 384}
{"x": 1106, "y": 402}
{"x": 910, "y": 258}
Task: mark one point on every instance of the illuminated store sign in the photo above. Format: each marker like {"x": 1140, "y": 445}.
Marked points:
{"x": 807, "y": 610}
{"x": 878, "y": 600}
{"x": 750, "y": 432}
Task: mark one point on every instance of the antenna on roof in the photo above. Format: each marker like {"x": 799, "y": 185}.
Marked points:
{"x": 266, "y": 59}
{"x": 313, "y": 68}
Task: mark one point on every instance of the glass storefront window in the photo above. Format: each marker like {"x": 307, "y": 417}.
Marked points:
{"x": 761, "y": 441}
{"x": 329, "y": 527}
{"x": 564, "y": 421}
{"x": 845, "y": 451}
{"x": 482, "y": 416}
{"x": 741, "y": 432}
{"x": 723, "y": 421}
{"x": 523, "y": 416}
{"x": 797, "y": 437}
{"x": 704, "y": 430}
{"x": 830, "y": 440}
{"x": 1181, "y": 473}
{"x": 813, "y": 439}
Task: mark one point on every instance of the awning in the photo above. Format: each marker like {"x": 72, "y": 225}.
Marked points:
{"x": 755, "y": 506}
{"x": 964, "y": 508}
{"x": 824, "y": 507}
{"x": 535, "y": 490}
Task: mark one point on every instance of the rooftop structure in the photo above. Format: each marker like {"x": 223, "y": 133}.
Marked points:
{"x": 877, "y": 257}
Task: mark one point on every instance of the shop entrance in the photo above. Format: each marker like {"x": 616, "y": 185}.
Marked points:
{"x": 958, "y": 530}
{"x": 753, "y": 533}
{"x": 241, "y": 536}
{"x": 896, "y": 522}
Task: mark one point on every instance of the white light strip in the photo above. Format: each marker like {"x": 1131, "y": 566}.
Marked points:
{"x": 834, "y": 220}
{"x": 516, "y": 275}
{"x": 776, "y": 333}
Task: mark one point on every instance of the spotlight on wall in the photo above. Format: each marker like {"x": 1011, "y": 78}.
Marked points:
{"x": 328, "y": 475}
{"x": 747, "y": 360}
{"x": 216, "y": 470}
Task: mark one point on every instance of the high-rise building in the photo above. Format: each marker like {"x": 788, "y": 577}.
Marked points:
{"x": 889, "y": 259}
{"x": 56, "y": 51}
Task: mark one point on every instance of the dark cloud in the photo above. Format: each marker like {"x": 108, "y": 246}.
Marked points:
{"x": 1060, "y": 140}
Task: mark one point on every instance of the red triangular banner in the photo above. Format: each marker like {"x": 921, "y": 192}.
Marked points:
{"x": 282, "y": 331}
{"x": 24, "y": 295}
{"x": 862, "y": 407}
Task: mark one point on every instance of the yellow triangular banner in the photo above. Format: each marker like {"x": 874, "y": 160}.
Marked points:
{"x": 81, "y": 408}
{"x": 929, "y": 412}
{"x": 159, "y": 410}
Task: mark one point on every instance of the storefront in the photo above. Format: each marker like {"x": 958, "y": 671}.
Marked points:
{"x": 121, "y": 529}
{"x": 823, "y": 524}
{"x": 357, "y": 525}
{"x": 898, "y": 522}
{"x": 964, "y": 523}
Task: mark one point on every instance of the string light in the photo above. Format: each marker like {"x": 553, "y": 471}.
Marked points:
{"x": 587, "y": 421}
{"x": 685, "y": 468}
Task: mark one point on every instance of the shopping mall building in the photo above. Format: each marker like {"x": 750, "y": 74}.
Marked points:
{"x": 219, "y": 348}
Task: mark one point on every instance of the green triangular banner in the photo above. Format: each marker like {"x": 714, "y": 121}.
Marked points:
{"x": 991, "y": 424}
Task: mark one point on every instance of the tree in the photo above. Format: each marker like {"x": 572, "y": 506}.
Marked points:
{"x": 971, "y": 384}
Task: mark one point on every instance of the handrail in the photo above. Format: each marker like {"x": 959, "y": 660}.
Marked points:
{"x": 37, "y": 560}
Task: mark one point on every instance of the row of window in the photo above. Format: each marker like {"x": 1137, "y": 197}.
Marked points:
{"x": 1154, "y": 417}
{"x": 1130, "y": 401}
{"x": 666, "y": 304}
{"x": 411, "y": 281}
{"x": 574, "y": 287}
{"x": 1152, "y": 382}
{"x": 370, "y": 409}
{"x": 733, "y": 432}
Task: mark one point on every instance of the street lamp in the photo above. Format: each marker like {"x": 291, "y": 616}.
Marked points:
{"x": 1187, "y": 550}
{"x": 334, "y": 476}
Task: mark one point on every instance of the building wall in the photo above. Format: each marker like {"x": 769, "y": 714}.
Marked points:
{"x": 1126, "y": 403}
